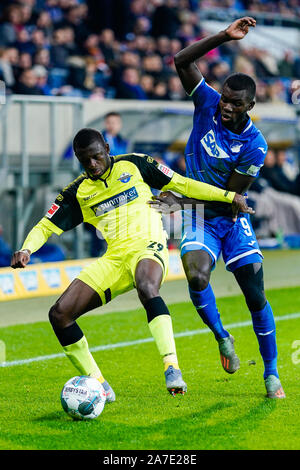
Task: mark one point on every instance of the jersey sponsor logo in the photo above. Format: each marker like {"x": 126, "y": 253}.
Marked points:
{"x": 166, "y": 170}
{"x": 211, "y": 147}
{"x": 115, "y": 201}
{"x": 54, "y": 208}
{"x": 125, "y": 177}
{"x": 253, "y": 170}
{"x": 235, "y": 147}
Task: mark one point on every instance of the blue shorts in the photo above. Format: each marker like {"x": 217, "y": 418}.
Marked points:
{"x": 236, "y": 241}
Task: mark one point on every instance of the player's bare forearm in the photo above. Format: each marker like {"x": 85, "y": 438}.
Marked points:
{"x": 36, "y": 238}
{"x": 184, "y": 60}
{"x": 239, "y": 183}
{"x": 195, "y": 51}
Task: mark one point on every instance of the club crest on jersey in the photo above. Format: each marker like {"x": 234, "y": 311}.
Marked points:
{"x": 235, "y": 147}
{"x": 125, "y": 177}
{"x": 211, "y": 146}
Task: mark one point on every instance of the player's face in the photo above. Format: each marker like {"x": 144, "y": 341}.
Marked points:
{"x": 234, "y": 104}
{"x": 94, "y": 159}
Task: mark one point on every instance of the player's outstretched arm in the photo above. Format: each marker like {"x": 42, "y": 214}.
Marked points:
{"x": 168, "y": 202}
{"x": 36, "y": 238}
{"x": 184, "y": 60}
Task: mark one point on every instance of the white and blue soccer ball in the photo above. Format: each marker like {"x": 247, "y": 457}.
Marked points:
{"x": 83, "y": 397}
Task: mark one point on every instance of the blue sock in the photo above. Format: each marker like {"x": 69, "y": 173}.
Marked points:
{"x": 205, "y": 303}
{"x": 265, "y": 330}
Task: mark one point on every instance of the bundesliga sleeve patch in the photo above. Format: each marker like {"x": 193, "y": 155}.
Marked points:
{"x": 165, "y": 170}
{"x": 253, "y": 170}
{"x": 53, "y": 209}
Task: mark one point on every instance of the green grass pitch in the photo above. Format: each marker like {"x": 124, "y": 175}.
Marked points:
{"x": 220, "y": 411}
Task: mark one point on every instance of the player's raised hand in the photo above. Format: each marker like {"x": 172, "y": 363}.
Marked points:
{"x": 239, "y": 204}
{"x": 20, "y": 259}
{"x": 165, "y": 203}
{"x": 239, "y": 28}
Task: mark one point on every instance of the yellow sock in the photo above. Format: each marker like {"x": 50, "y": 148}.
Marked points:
{"x": 80, "y": 356}
{"x": 162, "y": 332}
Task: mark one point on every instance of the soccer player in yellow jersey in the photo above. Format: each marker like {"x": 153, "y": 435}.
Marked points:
{"x": 112, "y": 195}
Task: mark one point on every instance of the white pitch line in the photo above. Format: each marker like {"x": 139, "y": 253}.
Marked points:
{"x": 230, "y": 326}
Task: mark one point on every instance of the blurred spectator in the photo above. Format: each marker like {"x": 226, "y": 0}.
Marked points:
{"x": 44, "y": 23}
{"x": 175, "y": 89}
{"x": 112, "y": 135}
{"x": 42, "y": 57}
{"x": 286, "y": 65}
{"x": 273, "y": 172}
{"x": 42, "y": 79}
{"x": 23, "y": 42}
{"x": 153, "y": 65}
{"x": 8, "y": 66}
{"x": 129, "y": 86}
{"x": 147, "y": 84}
{"x": 74, "y": 19}
{"x": 160, "y": 91}
{"x": 24, "y": 62}
{"x": 278, "y": 213}
{"x": 28, "y": 84}
{"x": 165, "y": 20}
{"x": 10, "y": 25}
{"x": 63, "y": 47}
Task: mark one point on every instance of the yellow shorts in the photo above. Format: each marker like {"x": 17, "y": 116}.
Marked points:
{"x": 114, "y": 273}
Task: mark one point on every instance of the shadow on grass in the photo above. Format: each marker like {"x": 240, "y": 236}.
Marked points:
{"x": 209, "y": 428}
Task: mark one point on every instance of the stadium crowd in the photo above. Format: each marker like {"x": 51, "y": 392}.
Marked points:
{"x": 125, "y": 49}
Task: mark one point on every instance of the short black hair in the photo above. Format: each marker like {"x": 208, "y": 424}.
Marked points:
{"x": 86, "y": 136}
{"x": 241, "y": 81}
{"x": 112, "y": 113}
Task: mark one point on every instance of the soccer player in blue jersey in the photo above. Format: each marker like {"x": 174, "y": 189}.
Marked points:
{"x": 225, "y": 149}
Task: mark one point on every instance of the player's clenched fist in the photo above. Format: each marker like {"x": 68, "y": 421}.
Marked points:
{"x": 239, "y": 28}
{"x": 20, "y": 259}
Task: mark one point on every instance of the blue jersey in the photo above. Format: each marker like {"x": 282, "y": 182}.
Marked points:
{"x": 213, "y": 152}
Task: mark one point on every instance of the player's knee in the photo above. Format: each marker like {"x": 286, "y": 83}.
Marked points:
{"x": 255, "y": 299}
{"x": 147, "y": 290}
{"x": 57, "y": 316}
{"x": 198, "y": 280}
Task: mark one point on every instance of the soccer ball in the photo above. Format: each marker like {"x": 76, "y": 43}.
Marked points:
{"x": 83, "y": 397}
